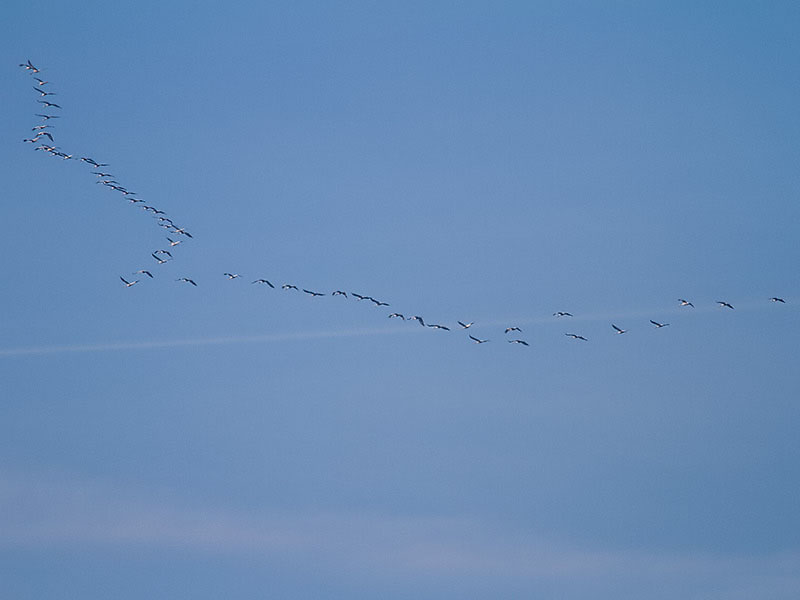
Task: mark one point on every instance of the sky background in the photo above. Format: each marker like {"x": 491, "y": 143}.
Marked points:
{"x": 488, "y": 162}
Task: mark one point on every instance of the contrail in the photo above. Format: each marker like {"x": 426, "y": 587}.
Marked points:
{"x": 215, "y": 341}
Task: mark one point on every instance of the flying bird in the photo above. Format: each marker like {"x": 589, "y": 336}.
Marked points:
{"x": 776, "y": 299}
{"x": 29, "y": 66}
{"x": 617, "y": 329}
{"x": 129, "y": 283}
{"x": 434, "y": 326}
{"x": 397, "y": 315}
{"x": 576, "y": 336}
{"x": 288, "y": 286}
{"x": 187, "y": 280}
{"x": 477, "y": 340}
{"x": 43, "y": 92}
{"x": 46, "y": 117}
{"x": 658, "y": 325}
{"x": 264, "y": 281}
{"x": 510, "y": 329}
{"x": 167, "y": 252}
{"x": 685, "y": 302}
{"x": 465, "y": 325}
{"x": 160, "y": 260}
{"x": 378, "y": 302}
{"x": 231, "y": 275}
{"x": 561, "y": 313}
{"x": 359, "y": 296}
{"x": 144, "y": 272}
{"x": 315, "y": 294}
{"x": 724, "y": 304}
{"x": 48, "y": 104}
{"x": 417, "y": 318}
{"x": 339, "y": 293}
{"x": 41, "y": 81}
{"x": 523, "y": 342}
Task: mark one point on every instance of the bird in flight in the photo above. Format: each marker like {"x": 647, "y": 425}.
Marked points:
{"x": 685, "y": 302}
{"x": 167, "y": 252}
{"x": 29, "y": 66}
{"x": 359, "y": 296}
{"x": 159, "y": 260}
{"x": 41, "y": 81}
{"x": 312, "y": 293}
{"x": 523, "y": 342}
{"x": 182, "y": 231}
{"x": 46, "y": 117}
{"x": 397, "y": 315}
{"x": 418, "y": 319}
{"x": 576, "y": 336}
{"x": 264, "y": 281}
{"x": 339, "y": 293}
{"x": 465, "y": 325}
{"x": 561, "y": 313}
{"x": 44, "y": 92}
{"x": 724, "y": 304}
{"x": 48, "y": 104}
{"x": 434, "y": 326}
{"x": 231, "y": 275}
{"x": 187, "y": 280}
{"x": 510, "y": 329}
{"x": 288, "y": 286}
{"x": 144, "y": 272}
{"x": 776, "y": 299}
{"x": 129, "y": 283}
{"x": 378, "y": 302}
{"x": 617, "y": 329}
{"x": 477, "y": 340}
{"x": 658, "y": 325}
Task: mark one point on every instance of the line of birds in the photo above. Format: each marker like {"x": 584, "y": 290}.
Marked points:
{"x": 162, "y": 256}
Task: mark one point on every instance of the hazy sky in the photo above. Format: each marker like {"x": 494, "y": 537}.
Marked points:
{"x": 487, "y": 162}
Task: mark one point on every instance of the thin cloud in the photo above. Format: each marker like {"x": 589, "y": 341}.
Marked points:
{"x": 54, "y": 513}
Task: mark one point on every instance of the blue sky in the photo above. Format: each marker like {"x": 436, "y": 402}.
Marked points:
{"x": 486, "y": 162}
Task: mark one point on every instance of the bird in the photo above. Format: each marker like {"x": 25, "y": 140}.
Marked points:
{"x": 465, "y": 325}
{"x": 46, "y": 117}
{"x": 617, "y": 329}
{"x": 129, "y": 283}
{"x": 658, "y": 325}
{"x": 378, "y": 302}
{"x": 435, "y": 326}
{"x": 48, "y": 104}
{"x": 477, "y": 340}
{"x": 359, "y": 296}
{"x": 510, "y": 329}
{"x": 312, "y": 293}
{"x": 288, "y": 286}
{"x": 182, "y": 231}
{"x": 264, "y": 281}
{"x": 144, "y": 272}
{"x": 397, "y": 316}
{"x": 160, "y": 260}
{"x": 44, "y": 92}
{"x": 339, "y": 293}
{"x": 685, "y": 302}
{"x": 38, "y": 127}
{"x": 187, "y": 280}
{"x": 776, "y": 299}
{"x": 576, "y": 336}
{"x": 724, "y": 304}
{"x": 231, "y": 275}
{"x": 561, "y": 313}
{"x": 418, "y": 319}
{"x": 41, "y": 81}
{"x": 29, "y": 66}
{"x": 101, "y": 174}
{"x": 523, "y": 342}
{"x": 167, "y": 252}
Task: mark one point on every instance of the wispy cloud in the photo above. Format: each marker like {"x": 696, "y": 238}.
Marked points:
{"x": 51, "y": 513}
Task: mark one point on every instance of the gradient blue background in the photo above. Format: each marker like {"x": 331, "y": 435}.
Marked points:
{"x": 487, "y": 162}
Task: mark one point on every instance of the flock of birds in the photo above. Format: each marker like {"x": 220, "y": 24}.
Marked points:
{"x": 45, "y": 129}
